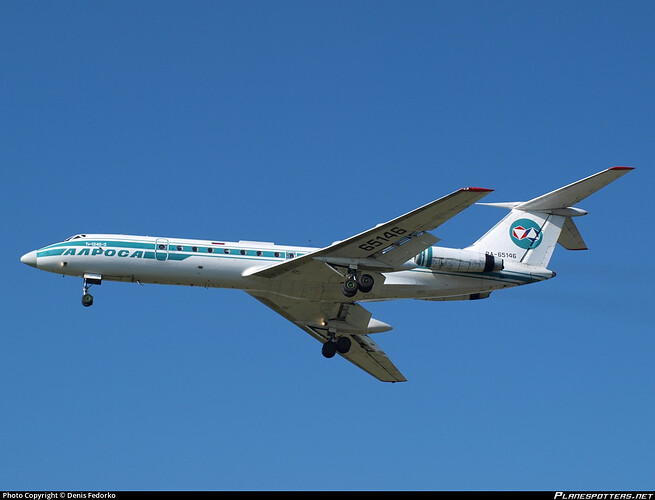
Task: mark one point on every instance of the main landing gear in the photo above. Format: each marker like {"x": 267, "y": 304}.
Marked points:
{"x": 357, "y": 282}
{"x": 334, "y": 345}
{"x": 89, "y": 280}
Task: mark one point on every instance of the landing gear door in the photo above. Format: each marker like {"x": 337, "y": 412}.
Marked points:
{"x": 161, "y": 249}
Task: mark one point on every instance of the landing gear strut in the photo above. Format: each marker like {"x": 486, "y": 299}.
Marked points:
{"x": 89, "y": 280}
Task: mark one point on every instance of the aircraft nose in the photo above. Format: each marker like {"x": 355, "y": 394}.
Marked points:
{"x": 29, "y": 258}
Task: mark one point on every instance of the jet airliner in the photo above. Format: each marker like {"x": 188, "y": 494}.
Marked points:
{"x": 321, "y": 290}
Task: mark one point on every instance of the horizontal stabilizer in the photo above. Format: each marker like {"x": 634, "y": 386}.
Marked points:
{"x": 568, "y": 196}
{"x": 530, "y": 232}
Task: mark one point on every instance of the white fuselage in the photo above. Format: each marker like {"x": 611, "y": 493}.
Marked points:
{"x": 320, "y": 289}
{"x": 174, "y": 261}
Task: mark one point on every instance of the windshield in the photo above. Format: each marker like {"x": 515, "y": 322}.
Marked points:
{"x": 77, "y": 236}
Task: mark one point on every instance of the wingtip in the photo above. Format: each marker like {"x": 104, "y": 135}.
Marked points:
{"x": 477, "y": 189}
{"x": 622, "y": 168}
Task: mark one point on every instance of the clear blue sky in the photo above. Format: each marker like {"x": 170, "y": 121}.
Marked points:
{"x": 258, "y": 120}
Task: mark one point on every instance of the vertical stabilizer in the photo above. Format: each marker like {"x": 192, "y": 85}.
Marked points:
{"x": 527, "y": 237}
{"x": 531, "y": 230}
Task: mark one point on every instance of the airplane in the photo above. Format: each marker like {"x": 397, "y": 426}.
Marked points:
{"x": 321, "y": 290}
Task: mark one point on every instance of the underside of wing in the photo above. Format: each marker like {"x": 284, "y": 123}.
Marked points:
{"x": 350, "y": 320}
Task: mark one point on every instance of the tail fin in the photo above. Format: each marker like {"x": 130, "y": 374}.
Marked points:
{"x": 527, "y": 237}
{"x": 528, "y": 234}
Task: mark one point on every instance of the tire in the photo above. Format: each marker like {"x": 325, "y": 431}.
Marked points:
{"x": 366, "y": 283}
{"x": 87, "y": 300}
{"x": 329, "y": 349}
{"x": 343, "y": 345}
{"x": 350, "y": 287}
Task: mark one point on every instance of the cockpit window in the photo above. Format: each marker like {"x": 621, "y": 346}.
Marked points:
{"x": 76, "y": 237}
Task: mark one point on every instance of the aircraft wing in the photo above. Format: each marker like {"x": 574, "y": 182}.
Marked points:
{"x": 384, "y": 247}
{"x": 312, "y": 317}
{"x": 307, "y": 290}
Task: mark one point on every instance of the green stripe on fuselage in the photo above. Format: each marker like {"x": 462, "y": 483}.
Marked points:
{"x": 146, "y": 250}
{"x": 51, "y": 252}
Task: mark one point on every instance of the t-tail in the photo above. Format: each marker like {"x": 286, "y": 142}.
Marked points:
{"x": 529, "y": 233}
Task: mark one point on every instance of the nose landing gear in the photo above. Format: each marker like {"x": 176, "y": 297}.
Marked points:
{"x": 89, "y": 280}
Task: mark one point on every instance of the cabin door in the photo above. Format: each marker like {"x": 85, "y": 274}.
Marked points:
{"x": 161, "y": 249}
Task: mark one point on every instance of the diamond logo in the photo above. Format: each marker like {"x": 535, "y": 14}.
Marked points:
{"x": 519, "y": 232}
{"x": 526, "y": 233}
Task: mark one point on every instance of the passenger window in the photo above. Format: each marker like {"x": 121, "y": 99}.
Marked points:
{"x": 259, "y": 253}
{"x": 210, "y": 250}
{"x": 180, "y": 248}
{"x": 242, "y": 252}
{"x": 195, "y": 249}
{"x": 226, "y": 250}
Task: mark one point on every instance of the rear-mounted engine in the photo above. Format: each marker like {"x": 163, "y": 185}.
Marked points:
{"x": 463, "y": 261}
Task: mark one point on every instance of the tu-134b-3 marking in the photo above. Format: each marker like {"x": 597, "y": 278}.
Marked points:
{"x": 321, "y": 290}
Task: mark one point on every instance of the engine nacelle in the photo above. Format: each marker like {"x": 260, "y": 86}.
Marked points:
{"x": 461, "y": 261}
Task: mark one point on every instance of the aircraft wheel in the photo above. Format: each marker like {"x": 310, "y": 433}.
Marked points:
{"x": 365, "y": 283}
{"x": 350, "y": 287}
{"x": 329, "y": 349}
{"x": 343, "y": 345}
{"x": 87, "y": 300}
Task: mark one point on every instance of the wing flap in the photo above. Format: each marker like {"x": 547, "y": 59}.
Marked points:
{"x": 369, "y": 357}
{"x": 426, "y": 218}
{"x": 364, "y": 353}
{"x": 403, "y": 251}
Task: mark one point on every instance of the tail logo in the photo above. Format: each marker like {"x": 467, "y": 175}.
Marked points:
{"x": 526, "y": 233}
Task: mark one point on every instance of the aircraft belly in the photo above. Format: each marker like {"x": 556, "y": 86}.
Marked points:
{"x": 199, "y": 271}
